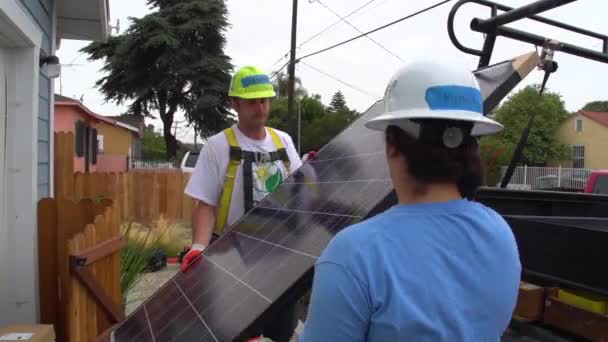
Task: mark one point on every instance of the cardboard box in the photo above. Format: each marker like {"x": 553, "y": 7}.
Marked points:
{"x": 29, "y": 333}
{"x": 530, "y": 303}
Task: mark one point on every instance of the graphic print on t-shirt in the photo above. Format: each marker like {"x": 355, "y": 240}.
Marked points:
{"x": 267, "y": 178}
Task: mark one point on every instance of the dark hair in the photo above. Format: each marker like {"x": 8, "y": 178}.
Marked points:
{"x": 430, "y": 161}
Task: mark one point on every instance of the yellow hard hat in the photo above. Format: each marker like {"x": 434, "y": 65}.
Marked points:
{"x": 251, "y": 82}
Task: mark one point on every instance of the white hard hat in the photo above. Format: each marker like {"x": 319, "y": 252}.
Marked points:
{"x": 432, "y": 90}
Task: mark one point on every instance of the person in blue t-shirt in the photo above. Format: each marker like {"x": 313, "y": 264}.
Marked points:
{"x": 437, "y": 266}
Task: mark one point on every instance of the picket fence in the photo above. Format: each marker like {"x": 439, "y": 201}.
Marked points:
{"x": 141, "y": 196}
{"x": 79, "y": 267}
{"x": 548, "y": 178}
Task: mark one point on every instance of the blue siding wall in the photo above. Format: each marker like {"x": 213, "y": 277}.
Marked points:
{"x": 41, "y": 12}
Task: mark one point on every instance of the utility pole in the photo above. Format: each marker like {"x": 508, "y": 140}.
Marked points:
{"x": 292, "y": 63}
{"x": 300, "y": 127}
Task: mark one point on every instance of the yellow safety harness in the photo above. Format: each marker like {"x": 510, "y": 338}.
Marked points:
{"x": 248, "y": 157}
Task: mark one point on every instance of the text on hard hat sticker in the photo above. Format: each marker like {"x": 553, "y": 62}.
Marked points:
{"x": 454, "y": 98}
{"x": 254, "y": 80}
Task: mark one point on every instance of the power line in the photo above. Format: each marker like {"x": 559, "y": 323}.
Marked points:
{"x": 373, "y": 96}
{"x": 358, "y": 30}
{"x": 278, "y": 71}
{"x": 324, "y": 30}
{"x": 336, "y": 22}
{"x": 377, "y": 29}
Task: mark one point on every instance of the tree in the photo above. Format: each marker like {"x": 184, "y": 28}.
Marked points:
{"x": 319, "y": 124}
{"x": 170, "y": 60}
{"x": 338, "y": 102}
{"x": 495, "y": 153}
{"x": 543, "y": 145}
{"x": 319, "y": 132}
{"x": 596, "y": 106}
{"x": 281, "y": 86}
{"x": 152, "y": 146}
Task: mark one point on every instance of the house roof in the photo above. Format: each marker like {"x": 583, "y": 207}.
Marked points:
{"x": 132, "y": 120}
{"x": 599, "y": 117}
{"x": 61, "y": 100}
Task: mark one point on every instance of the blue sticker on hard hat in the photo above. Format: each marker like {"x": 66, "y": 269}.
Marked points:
{"x": 454, "y": 98}
{"x": 255, "y": 80}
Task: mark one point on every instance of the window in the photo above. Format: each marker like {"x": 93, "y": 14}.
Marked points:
{"x": 94, "y": 146}
{"x": 578, "y": 125}
{"x": 191, "y": 160}
{"x": 578, "y": 156}
{"x": 601, "y": 185}
{"x": 79, "y": 138}
{"x": 99, "y": 144}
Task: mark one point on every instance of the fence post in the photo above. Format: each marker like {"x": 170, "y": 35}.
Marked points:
{"x": 525, "y": 174}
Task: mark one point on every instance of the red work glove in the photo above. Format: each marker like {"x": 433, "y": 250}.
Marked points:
{"x": 192, "y": 254}
{"x": 308, "y": 156}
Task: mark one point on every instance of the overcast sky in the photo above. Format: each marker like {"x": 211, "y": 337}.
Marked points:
{"x": 260, "y": 34}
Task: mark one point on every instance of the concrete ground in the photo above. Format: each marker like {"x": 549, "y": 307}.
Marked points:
{"x": 149, "y": 283}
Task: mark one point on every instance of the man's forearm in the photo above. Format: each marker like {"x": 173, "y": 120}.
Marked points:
{"x": 203, "y": 221}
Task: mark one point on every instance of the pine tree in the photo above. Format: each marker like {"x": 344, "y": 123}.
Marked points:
{"x": 172, "y": 59}
{"x": 338, "y": 102}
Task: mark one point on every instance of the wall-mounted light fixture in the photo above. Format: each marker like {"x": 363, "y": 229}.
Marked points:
{"x": 50, "y": 66}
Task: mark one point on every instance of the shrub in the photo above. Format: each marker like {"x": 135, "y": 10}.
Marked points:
{"x": 135, "y": 255}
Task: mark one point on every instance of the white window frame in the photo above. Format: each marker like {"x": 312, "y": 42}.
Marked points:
{"x": 99, "y": 144}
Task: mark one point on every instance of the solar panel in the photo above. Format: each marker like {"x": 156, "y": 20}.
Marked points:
{"x": 266, "y": 258}
{"x": 269, "y": 253}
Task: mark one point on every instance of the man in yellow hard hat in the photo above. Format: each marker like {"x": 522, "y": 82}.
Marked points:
{"x": 237, "y": 168}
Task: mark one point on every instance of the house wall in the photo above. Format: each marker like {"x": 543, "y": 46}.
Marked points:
{"x": 112, "y": 163}
{"x": 594, "y": 137}
{"x": 65, "y": 121}
{"x": 41, "y": 11}
{"x": 20, "y": 41}
{"x": 117, "y": 144}
{"x": 116, "y": 140}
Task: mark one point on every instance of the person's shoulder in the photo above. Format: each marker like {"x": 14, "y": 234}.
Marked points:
{"x": 283, "y": 135}
{"x": 217, "y": 140}
{"x": 353, "y": 241}
{"x": 486, "y": 212}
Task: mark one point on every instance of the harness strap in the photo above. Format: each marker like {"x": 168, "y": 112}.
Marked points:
{"x": 248, "y": 180}
{"x": 233, "y": 165}
{"x": 248, "y": 157}
{"x": 280, "y": 148}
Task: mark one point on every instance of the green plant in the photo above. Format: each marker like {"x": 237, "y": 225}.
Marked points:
{"x": 173, "y": 236}
{"x": 140, "y": 244}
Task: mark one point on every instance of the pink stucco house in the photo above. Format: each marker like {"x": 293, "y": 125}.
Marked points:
{"x": 102, "y": 144}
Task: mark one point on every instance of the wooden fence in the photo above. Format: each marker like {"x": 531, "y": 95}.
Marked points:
{"x": 79, "y": 267}
{"x": 138, "y": 196}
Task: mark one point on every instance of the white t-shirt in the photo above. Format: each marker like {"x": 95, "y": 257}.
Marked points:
{"x": 208, "y": 177}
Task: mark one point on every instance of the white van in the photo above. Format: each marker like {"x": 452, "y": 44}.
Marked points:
{"x": 189, "y": 161}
